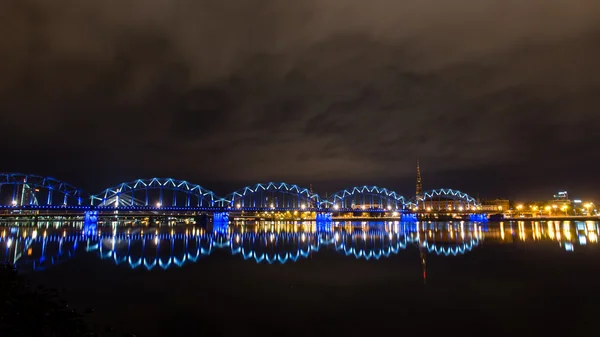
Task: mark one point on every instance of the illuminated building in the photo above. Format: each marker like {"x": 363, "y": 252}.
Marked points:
{"x": 498, "y": 205}
{"x": 561, "y": 199}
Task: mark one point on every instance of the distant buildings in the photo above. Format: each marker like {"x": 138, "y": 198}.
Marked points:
{"x": 561, "y": 199}
{"x": 496, "y": 205}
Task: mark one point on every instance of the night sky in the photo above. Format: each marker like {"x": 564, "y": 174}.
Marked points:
{"x": 496, "y": 97}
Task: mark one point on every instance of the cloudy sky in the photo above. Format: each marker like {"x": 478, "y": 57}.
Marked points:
{"x": 496, "y": 97}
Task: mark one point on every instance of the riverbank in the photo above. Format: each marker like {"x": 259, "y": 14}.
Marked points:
{"x": 29, "y": 311}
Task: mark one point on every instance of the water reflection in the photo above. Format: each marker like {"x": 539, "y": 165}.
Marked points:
{"x": 166, "y": 247}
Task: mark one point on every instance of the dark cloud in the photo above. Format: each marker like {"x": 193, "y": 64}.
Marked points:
{"x": 328, "y": 92}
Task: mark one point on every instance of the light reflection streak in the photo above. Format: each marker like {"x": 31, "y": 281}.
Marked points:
{"x": 272, "y": 245}
{"x": 275, "y": 243}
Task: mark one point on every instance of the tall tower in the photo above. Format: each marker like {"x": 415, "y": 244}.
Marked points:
{"x": 419, "y": 182}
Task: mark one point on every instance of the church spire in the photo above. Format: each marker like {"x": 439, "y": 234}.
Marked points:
{"x": 419, "y": 182}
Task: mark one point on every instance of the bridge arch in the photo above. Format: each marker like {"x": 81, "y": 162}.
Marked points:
{"x": 366, "y": 197}
{"x": 156, "y": 193}
{"x": 272, "y": 195}
{"x": 20, "y": 189}
{"x": 445, "y": 200}
{"x": 447, "y": 250}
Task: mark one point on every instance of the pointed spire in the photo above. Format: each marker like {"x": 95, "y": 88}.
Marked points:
{"x": 419, "y": 182}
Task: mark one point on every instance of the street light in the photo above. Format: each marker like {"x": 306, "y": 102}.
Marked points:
{"x": 519, "y": 208}
{"x": 587, "y": 207}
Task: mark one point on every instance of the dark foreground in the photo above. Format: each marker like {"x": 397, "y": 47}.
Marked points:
{"x": 493, "y": 290}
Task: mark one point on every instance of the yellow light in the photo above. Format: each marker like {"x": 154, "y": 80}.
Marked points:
{"x": 593, "y": 237}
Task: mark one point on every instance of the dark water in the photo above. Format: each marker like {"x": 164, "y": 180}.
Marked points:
{"x": 348, "y": 279}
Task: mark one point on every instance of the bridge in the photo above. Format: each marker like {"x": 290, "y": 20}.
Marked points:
{"x": 34, "y": 194}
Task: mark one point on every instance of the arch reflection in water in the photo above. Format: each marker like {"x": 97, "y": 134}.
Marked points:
{"x": 262, "y": 243}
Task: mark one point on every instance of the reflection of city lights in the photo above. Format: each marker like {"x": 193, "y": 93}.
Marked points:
{"x": 381, "y": 242}
{"x": 8, "y": 243}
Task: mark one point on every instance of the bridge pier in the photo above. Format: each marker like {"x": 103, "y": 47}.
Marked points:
{"x": 409, "y": 217}
{"x": 220, "y": 222}
{"x": 324, "y": 221}
{"x": 90, "y": 222}
{"x": 478, "y": 217}
{"x": 324, "y": 217}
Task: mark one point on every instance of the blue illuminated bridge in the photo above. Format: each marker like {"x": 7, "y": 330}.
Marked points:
{"x": 23, "y": 193}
